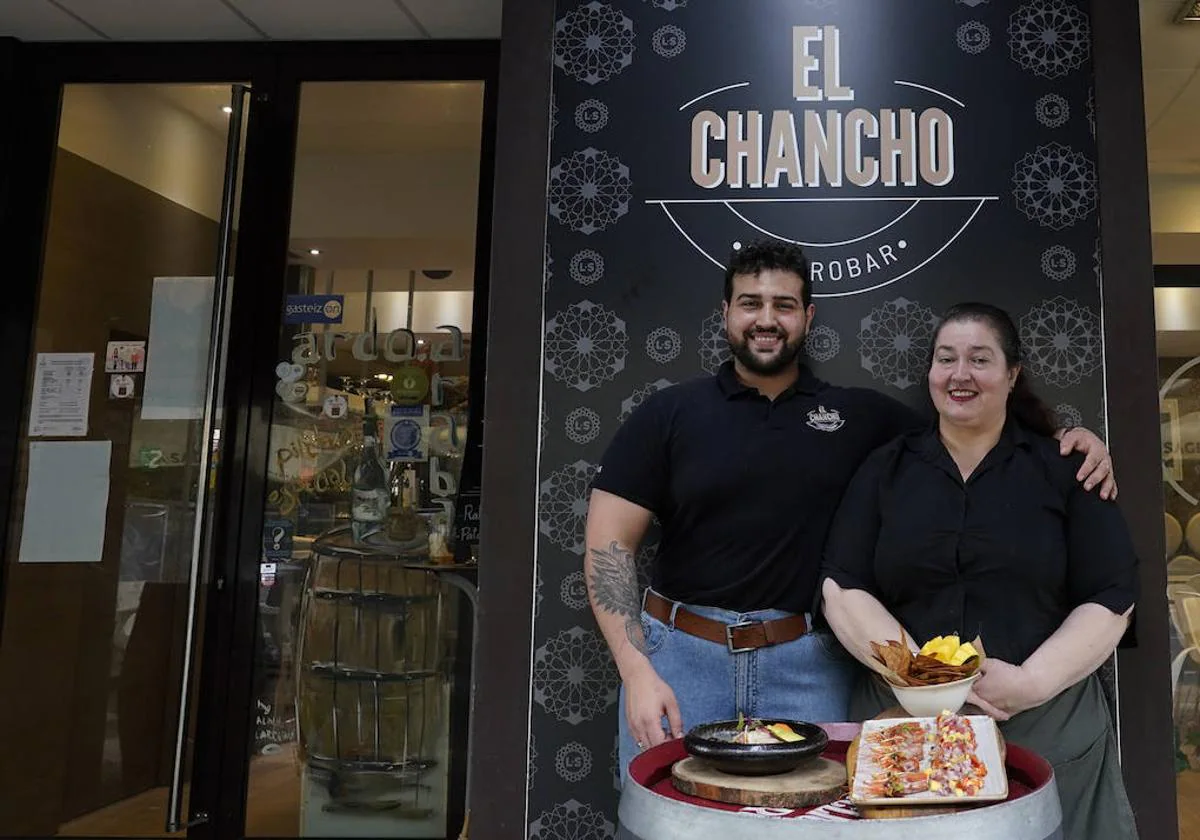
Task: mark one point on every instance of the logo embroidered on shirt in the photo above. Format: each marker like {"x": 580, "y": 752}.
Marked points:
{"x": 825, "y": 420}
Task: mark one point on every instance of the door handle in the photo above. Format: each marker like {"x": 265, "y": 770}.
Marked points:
{"x": 214, "y": 396}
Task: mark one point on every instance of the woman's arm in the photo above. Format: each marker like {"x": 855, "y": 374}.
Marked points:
{"x": 1079, "y": 646}
{"x": 857, "y": 619}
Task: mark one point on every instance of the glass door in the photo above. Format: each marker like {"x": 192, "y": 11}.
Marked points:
{"x": 361, "y": 680}
{"x": 119, "y": 458}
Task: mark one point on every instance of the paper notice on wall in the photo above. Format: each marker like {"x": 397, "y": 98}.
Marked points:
{"x": 62, "y": 389}
{"x": 66, "y": 502}
{"x": 181, "y": 310}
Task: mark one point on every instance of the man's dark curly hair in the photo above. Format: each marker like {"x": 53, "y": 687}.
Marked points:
{"x": 765, "y": 255}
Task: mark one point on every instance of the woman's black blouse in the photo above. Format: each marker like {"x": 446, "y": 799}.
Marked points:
{"x": 1006, "y": 555}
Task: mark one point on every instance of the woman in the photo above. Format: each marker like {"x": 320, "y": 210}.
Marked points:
{"x": 977, "y": 526}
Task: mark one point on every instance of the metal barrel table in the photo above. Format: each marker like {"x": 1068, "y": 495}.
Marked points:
{"x": 651, "y": 808}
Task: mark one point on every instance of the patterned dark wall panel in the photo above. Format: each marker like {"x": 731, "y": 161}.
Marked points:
{"x": 989, "y": 192}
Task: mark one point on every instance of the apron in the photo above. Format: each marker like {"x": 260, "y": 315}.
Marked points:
{"x": 1074, "y": 733}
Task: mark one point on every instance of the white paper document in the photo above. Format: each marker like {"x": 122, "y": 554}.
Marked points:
{"x": 66, "y": 502}
{"x": 181, "y": 310}
{"x": 62, "y": 389}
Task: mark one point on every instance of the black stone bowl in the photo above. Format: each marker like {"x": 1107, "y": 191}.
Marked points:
{"x": 713, "y": 743}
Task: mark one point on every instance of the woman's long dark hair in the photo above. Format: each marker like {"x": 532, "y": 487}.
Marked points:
{"x": 1023, "y": 403}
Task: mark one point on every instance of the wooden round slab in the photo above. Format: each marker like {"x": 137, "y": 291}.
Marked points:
{"x": 817, "y": 782}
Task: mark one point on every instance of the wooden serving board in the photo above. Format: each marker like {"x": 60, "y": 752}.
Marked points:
{"x": 817, "y": 782}
{"x": 899, "y": 812}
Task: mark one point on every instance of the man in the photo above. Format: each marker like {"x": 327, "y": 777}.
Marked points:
{"x": 744, "y": 470}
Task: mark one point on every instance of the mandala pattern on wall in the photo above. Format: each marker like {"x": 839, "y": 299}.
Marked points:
{"x": 573, "y": 591}
{"x": 585, "y": 346}
{"x": 1049, "y": 37}
{"x": 573, "y": 762}
{"x": 669, "y": 41}
{"x": 714, "y": 348}
{"x": 589, "y": 191}
{"x": 586, "y": 267}
{"x": 1055, "y": 186}
{"x": 614, "y": 763}
{"x": 591, "y": 115}
{"x": 973, "y": 37}
{"x": 639, "y": 396}
{"x": 562, "y": 505}
{"x": 822, "y": 343}
{"x": 537, "y": 590}
{"x": 571, "y": 820}
{"x": 1058, "y": 262}
{"x": 1068, "y": 416}
{"x": 533, "y": 763}
{"x": 646, "y": 553}
{"x": 1062, "y": 341}
{"x": 893, "y": 342}
{"x": 664, "y": 345}
{"x": 1052, "y": 110}
{"x": 574, "y": 678}
{"x": 668, "y": 5}
{"x": 593, "y": 43}
{"x": 582, "y": 425}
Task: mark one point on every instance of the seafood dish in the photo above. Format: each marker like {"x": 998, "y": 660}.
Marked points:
{"x": 929, "y": 760}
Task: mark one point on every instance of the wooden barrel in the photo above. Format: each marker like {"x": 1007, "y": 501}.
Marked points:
{"x": 370, "y": 671}
{"x": 651, "y": 809}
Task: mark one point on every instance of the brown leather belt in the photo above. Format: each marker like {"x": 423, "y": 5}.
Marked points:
{"x": 738, "y": 638}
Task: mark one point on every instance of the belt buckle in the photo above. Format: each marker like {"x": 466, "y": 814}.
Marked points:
{"x": 729, "y": 628}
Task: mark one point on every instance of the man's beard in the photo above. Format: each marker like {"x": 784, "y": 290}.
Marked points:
{"x": 786, "y": 356}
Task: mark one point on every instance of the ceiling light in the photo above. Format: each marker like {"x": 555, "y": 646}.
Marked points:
{"x": 437, "y": 273}
{"x": 228, "y": 109}
{"x": 1190, "y": 10}
{"x": 316, "y": 252}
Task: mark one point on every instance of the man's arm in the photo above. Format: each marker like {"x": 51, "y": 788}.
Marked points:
{"x": 615, "y": 528}
{"x": 1097, "y": 467}
{"x": 896, "y": 418}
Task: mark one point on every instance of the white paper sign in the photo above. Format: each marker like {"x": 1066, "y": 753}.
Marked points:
{"x": 62, "y": 389}
{"x": 181, "y": 310}
{"x": 66, "y": 502}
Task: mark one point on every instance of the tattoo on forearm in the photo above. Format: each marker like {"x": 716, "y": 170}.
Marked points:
{"x": 636, "y": 636}
{"x": 614, "y": 581}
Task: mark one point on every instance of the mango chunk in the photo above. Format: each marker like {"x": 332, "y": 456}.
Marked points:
{"x": 784, "y": 732}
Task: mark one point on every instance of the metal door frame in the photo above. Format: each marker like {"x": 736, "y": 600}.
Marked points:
{"x": 33, "y": 76}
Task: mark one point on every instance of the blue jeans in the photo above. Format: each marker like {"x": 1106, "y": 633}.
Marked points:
{"x": 809, "y": 678}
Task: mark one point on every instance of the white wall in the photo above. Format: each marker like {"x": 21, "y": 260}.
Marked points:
{"x": 1175, "y": 218}
{"x": 129, "y": 130}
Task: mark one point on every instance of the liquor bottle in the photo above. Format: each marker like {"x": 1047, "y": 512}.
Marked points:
{"x": 369, "y": 497}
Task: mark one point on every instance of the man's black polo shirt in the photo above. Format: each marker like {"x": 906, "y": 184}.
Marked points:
{"x": 745, "y": 488}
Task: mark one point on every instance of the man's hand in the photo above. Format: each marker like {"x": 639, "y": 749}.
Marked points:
{"x": 1097, "y": 466}
{"x": 1005, "y": 690}
{"x": 648, "y": 699}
